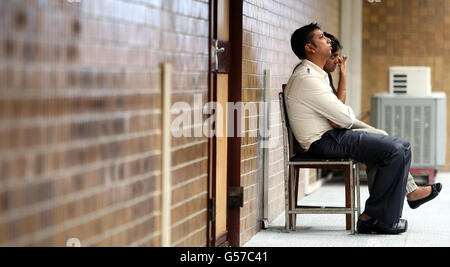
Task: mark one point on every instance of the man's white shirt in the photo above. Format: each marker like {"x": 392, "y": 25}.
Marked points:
{"x": 311, "y": 104}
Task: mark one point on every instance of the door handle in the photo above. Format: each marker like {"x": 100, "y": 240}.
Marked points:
{"x": 217, "y": 52}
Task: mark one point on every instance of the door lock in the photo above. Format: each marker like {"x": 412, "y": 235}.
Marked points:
{"x": 235, "y": 197}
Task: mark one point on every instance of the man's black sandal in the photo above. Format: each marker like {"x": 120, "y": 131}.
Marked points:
{"x": 377, "y": 227}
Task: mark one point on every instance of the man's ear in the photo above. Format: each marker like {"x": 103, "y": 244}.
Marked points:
{"x": 309, "y": 48}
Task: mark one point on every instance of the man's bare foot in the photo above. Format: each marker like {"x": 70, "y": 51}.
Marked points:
{"x": 420, "y": 193}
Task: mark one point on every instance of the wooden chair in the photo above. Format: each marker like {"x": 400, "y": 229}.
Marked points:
{"x": 296, "y": 159}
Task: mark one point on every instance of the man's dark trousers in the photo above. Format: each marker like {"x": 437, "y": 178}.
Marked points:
{"x": 391, "y": 156}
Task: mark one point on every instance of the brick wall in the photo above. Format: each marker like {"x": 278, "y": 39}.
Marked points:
{"x": 80, "y": 116}
{"x": 268, "y": 26}
{"x": 405, "y": 33}
{"x": 80, "y": 121}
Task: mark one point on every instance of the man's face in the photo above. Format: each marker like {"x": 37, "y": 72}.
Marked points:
{"x": 333, "y": 62}
{"x": 321, "y": 44}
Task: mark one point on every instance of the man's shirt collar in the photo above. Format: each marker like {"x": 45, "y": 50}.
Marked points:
{"x": 316, "y": 70}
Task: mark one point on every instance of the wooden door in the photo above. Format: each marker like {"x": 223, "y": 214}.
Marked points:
{"x": 224, "y": 155}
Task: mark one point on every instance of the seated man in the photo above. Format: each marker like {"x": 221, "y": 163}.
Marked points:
{"x": 416, "y": 195}
{"x": 312, "y": 105}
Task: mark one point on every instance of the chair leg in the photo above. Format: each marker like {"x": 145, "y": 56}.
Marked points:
{"x": 296, "y": 180}
{"x": 347, "y": 197}
{"x": 286, "y": 197}
{"x": 292, "y": 194}
{"x": 352, "y": 196}
{"x": 358, "y": 190}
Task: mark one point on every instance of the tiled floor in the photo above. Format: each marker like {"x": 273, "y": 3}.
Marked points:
{"x": 428, "y": 226}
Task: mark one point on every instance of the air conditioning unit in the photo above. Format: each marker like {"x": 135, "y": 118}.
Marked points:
{"x": 421, "y": 120}
{"x": 410, "y": 81}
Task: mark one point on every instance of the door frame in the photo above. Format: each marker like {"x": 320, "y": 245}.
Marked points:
{"x": 235, "y": 96}
{"x": 234, "y": 143}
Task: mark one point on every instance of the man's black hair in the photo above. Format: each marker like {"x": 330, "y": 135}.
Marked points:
{"x": 301, "y": 37}
{"x": 335, "y": 43}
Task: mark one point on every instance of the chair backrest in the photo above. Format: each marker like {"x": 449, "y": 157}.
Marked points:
{"x": 291, "y": 143}
{"x": 288, "y": 137}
